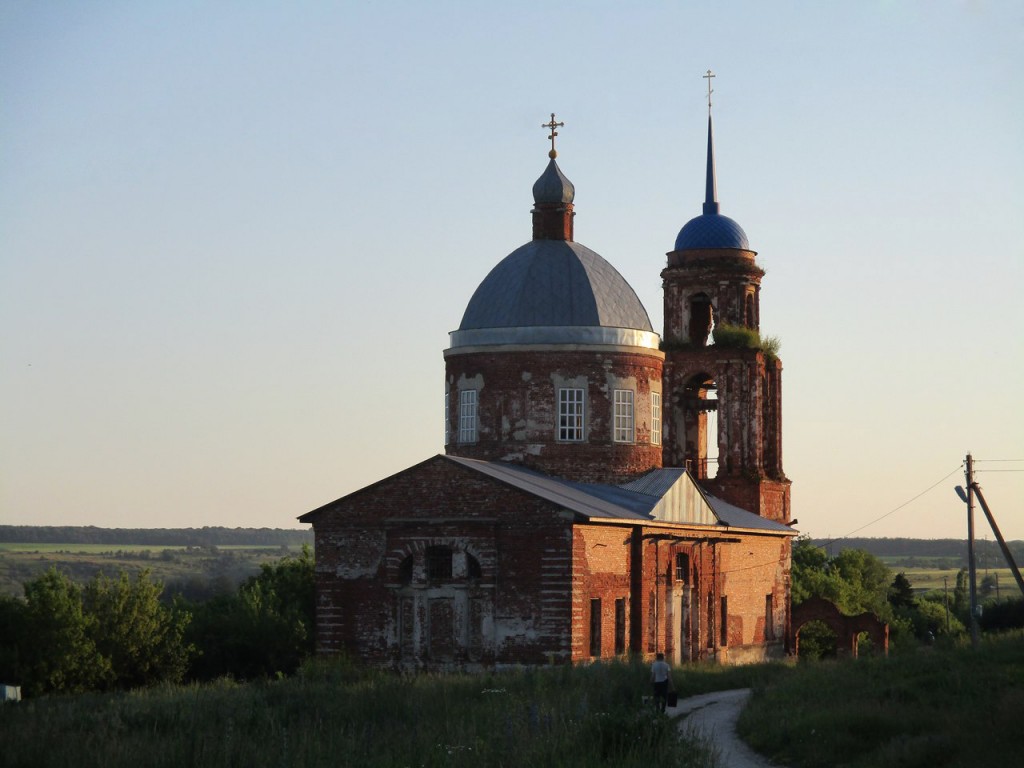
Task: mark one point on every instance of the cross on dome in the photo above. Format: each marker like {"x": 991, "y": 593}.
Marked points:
{"x": 707, "y": 77}
{"x": 551, "y": 126}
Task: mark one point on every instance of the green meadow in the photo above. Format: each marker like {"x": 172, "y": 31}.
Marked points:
{"x": 949, "y": 707}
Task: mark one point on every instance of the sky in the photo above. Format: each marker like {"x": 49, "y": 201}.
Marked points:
{"x": 234, "y": 236}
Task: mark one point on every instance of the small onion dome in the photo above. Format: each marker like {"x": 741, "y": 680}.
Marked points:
{"x": 553, "y": 186}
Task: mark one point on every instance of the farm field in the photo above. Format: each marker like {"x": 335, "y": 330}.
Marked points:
{"x": 929, "y": 579}
{"x": 95, "y": 549}
{"x": 195, "y": 572}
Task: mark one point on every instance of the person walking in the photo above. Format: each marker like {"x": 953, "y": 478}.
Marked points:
{"x": 661, "y": 679}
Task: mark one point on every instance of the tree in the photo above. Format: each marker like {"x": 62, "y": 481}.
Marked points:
{"x": 57, "y": 652}
{"x": 901, "y": 592}
{"x": 141, "y": 639}
{"x": 264, "y": 629}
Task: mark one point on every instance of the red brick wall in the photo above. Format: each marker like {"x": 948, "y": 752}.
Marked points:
{"x": 518, "y": 409}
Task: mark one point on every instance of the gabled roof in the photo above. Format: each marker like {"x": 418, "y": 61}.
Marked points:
{"x": 662, "y": 495}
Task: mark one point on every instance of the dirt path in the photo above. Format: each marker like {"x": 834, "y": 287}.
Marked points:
{"x": 712, "y": 717}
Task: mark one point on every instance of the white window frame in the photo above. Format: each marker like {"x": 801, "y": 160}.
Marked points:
{"x": 655, "y": 418}
{"x": 623, "y": 426}
{"x": 467, "y": 416}
{"x": 571, "y": 408}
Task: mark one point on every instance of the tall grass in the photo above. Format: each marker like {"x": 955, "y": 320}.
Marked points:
{"x": 332, "y": 715}
{"x": 937, "y": 708}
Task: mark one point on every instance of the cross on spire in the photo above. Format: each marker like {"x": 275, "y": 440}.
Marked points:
{"x": 551, "y": 126}
{"x": 708, "y": 77}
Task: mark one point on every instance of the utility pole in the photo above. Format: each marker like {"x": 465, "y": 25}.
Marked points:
{"x": 972, "y": 570}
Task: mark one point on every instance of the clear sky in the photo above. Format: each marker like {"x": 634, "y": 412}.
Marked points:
{"x": 234, "y": 236}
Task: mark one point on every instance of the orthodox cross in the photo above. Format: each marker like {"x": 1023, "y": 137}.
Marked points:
{"x": 551, "y": 126}
{"x": 707, "y": 77}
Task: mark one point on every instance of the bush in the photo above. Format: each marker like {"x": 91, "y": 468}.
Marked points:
{"x": 741, "y": 337}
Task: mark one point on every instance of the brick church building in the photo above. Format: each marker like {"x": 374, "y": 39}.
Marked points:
{"x": 577, "y": 512}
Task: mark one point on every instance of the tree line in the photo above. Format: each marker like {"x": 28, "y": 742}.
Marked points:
{"x": 922, "y": 548}
{"x": 117, "y": 634}
{"x": 155, "y": 537}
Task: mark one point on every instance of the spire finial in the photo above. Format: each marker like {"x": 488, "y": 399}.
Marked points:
{"x": 711, "y": 190}
{"x": 708, "y": 77}
{"x": 551, "y": 126}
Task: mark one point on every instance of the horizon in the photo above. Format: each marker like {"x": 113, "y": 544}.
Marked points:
{"x": 235, "y": 241}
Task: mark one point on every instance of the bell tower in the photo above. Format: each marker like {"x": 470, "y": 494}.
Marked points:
{"x": 722, "y": 381}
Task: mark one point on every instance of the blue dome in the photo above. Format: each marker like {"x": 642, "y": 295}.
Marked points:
{"x": 711, "y": 230}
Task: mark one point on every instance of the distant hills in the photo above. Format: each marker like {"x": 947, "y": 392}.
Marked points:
{"x": 910, "y": 552}
{"x": 894, "y": 551}
{"x": 155, "y": 537}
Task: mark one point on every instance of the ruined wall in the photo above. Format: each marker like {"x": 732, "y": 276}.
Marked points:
{"x": 749, "y": 473}
{"x": 517, "y": 411}
{"x": 382, "y": 597}
{"x": 601, "y": 564}
{"x": 752, "y": 571}
{"x": 676, "y": 608}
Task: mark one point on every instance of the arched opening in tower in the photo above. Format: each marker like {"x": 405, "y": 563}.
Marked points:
{"x": 702, "y": 319}
{"x": 700, "y": 426}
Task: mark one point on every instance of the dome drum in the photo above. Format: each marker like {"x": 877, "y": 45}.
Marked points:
{"x": 593, "y": 415}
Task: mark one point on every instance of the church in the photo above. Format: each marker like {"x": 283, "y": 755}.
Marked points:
{"x": 604, "y": 491}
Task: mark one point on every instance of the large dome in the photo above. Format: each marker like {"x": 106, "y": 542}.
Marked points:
{"x": 554, "y": 291}
{"x": 711, "y": 230}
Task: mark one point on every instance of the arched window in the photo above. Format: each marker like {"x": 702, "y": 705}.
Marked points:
{"x": 702, "y": 319}
{"x": 405, "y": 571}
{"x": 473, "y": 567}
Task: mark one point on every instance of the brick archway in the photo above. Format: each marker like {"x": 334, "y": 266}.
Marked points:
{"x": 846, "y": 628}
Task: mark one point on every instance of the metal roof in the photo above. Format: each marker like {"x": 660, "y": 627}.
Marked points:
{"x": 553, "y": 186}
{"x": 555, "y": 283}
{"x": 663, "y": 495}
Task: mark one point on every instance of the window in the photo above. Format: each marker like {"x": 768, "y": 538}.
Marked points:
{"x": 711, "y": 621}
{"x": 473, "y": 570}
{"x": 623, "y": 416}
{"x": 595, "y": 626}
{"x": 682, "y": 568}
{"x": 620, "y": 626}
{"x": 447, "y": 415}
{"x": 769, "y": 618}
{"x": 570, "y": 415}
{"x": 405, "y": 571}
{"x": 439, "y": 563}
{"x": 655, "y": 418}
{"x": 467, "y": 416}
{"x": 724, "y": 626}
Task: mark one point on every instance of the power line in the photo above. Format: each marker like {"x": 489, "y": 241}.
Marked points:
{"x": 897, "y": 509}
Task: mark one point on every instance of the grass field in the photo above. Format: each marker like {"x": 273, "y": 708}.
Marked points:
{"x": 950, "y": 707}
{"x": 96, "y": 549}
{"x": 946, "y": 707}
{"x": 195, "y": 572}
{"x": 928, "y": 579}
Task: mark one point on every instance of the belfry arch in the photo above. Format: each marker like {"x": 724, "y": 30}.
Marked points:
{"x": 702, "y": 318}
{"x": 698, "y": 403}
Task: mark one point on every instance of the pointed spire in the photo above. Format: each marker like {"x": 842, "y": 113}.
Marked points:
{"x": 711, "y": 188}
{"x": 711, "y": 191}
